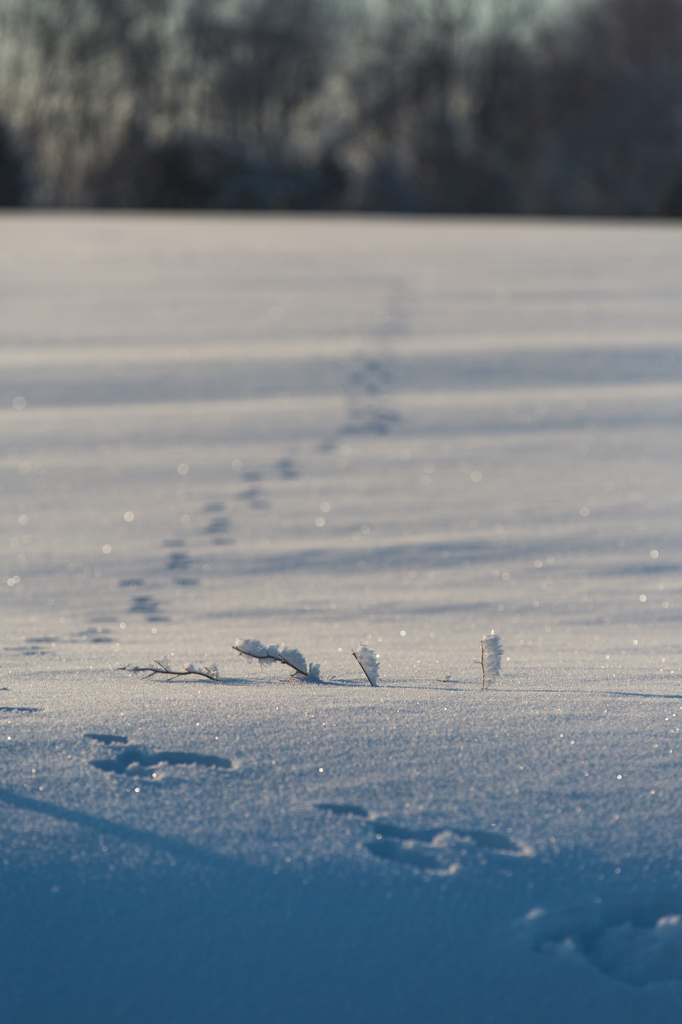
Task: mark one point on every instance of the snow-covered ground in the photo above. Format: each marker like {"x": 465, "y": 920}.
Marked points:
{"x": 325, "y": 431}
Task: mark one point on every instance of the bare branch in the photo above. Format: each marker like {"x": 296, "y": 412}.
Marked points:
{"x": 168, "y": 673}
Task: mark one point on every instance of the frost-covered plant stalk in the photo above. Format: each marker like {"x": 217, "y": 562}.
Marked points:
{"x": 164, "y": 669}
{"x": 289, "y": 656}
{"x": 368, "y": 661}
{"x": 491, "y": 657}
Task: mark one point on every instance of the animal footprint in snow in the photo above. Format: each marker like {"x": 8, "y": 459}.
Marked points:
{"x": 220, "y": 524}
{"x": 34, "y": 645}
{"x": 637, "y": 941}
{"x": 179, "y": 561}
{"x": 105, "y": 737}
{"x": 493, "y": 842}
{"x": 352, "y": 809}
{"x": 287, "y": 469}
{"x": 440, "y": 849}
{"x": 149, "y": 606}
{"x": 427, "y": 849}
{"x": 431, "y": 849}
{"x": 410, "y": 853}
{"x": 134, "y": 760}
{"x": 96, "y": 635}
{"x": 143, "y": 605}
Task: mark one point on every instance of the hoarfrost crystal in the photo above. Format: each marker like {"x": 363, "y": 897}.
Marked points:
{"x": 368, "y": 661}
{"x": 290, "y": 656}
{"x": 491, "y": 656}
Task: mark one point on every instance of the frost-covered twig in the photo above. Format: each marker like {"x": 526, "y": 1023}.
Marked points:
{"x": 491, "y": 656}
{"x": 162, "y": 668}
{"x": 368, "y": 661}
{"x": 290, "y": 656}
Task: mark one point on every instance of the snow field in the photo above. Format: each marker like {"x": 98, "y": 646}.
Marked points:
{"x": 452, "y": 427}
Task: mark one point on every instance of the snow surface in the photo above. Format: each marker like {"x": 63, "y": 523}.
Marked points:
{"x": 326, "y": 431}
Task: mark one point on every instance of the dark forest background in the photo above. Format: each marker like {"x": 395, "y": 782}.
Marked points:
{"x": 409, "y": 105}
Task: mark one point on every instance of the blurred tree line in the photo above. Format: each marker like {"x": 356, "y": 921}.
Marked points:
{"x": 407, "y": 105}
